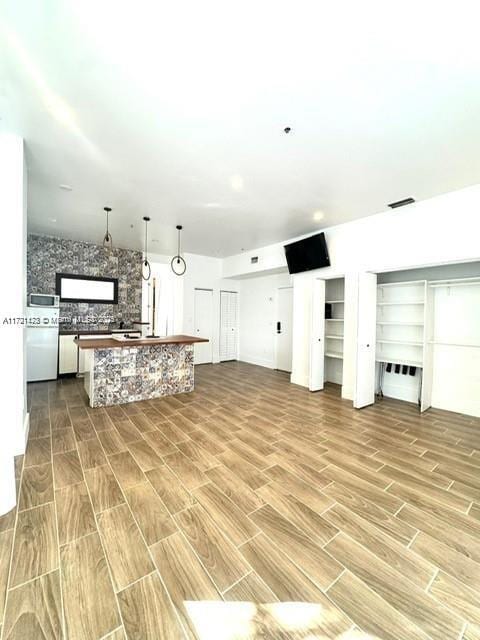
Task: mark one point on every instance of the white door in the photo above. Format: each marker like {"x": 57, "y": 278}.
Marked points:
{"x": 228, "y": 325}
{"x": 203, "y": 320}
{"x": 366, "y": 337}
{"x": 284, "y": 330}
{"x": 317, "y": 337}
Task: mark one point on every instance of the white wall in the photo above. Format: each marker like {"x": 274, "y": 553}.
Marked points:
{"x": 258, "y": 315}
{"x": 12, "y": 337}
{"x": 439, "y": 230}
{"x": 202, "y": 272}
{"x": 169, "y": 297}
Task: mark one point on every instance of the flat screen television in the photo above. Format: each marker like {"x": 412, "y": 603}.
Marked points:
{"x": 307, "y": 254}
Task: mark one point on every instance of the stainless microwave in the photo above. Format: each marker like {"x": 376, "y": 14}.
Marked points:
{"x": 43, "y": 300}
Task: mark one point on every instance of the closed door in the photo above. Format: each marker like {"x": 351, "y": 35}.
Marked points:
{"x": 317, "y": 337}
{"x": 284, "y": 329}
{"x": 366, "y": 336}
{"x": 228, "y": 325}
{"x": 203, "y": 320}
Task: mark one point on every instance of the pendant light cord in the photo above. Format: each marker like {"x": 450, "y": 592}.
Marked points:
{"x": 146, "y": 241}
{"x": 145, "y": 262}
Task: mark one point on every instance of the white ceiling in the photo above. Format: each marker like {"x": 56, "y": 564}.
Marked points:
{"x": 176, "y": 110}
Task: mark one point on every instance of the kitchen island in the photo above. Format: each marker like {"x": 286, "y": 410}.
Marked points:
{"x": 130, "y": 370}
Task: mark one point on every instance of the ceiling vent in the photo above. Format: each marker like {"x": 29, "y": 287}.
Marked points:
{"x": 401, "y": 203}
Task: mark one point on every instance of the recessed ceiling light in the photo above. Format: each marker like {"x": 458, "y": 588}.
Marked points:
{"x": 212, "y": 205}
{"x": 65, "y": 187}
{"x": 318, "y": 215}
{"x": 236, "y": 182}
{"x": 52, "y": 219}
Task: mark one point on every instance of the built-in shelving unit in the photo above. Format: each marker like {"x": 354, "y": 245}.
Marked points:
{"x": 401, "y": 331}
{"x": 401, "y": 322}
{"x": 331, "y": 354}
{"x": 334, "y": 327}
{"x": 427, "y": 336}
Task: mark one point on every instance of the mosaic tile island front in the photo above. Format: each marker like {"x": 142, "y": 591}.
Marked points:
{"x": 133, "y": 373}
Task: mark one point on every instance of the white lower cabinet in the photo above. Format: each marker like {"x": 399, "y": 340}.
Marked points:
{"x": 67, "y": 354}
{"x": 68, "y": 359}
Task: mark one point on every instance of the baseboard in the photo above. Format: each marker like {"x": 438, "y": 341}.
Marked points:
{"x": 21, "y": 441}
{"x": 258, "y": 361}
{"x": 347, "y": 392}
{"x": 302, "y": 381}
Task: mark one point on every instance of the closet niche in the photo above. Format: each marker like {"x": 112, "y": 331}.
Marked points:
{"x": 428, "y": 337}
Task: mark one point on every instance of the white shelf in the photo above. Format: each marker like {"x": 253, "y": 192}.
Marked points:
{"x": 408, "y": 363}
{"x": 333, "y": 354}
{"x": 334, "y": 337}
{"x": 409, "y": 343}
{"x": 400, "y": 324}
{"x": 457, "y": 282}
{"x": 454, "y": 344}
{"x": 410, "y": 283}
{"x": 334, "y": 301}
{"x": 334, "y": 319}
{"x": 398, "y": 302}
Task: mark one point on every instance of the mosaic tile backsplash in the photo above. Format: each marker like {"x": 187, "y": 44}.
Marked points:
{"x": 130, "y": 374}
{"x": 47, "y": 255}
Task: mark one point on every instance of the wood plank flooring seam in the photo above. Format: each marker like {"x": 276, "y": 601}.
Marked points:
{"x": 60, "y": 572}
{"x": 2, "y": 621}
{"x": 344, "y": 570}
{"x": 414, "y": 536}
{"x": 239, "y": 579}
{"x": 148, "y": 551}
{"x": 101, "y": 543}
{"x": 290, "y": 403}
{"x": 432, "y": 580}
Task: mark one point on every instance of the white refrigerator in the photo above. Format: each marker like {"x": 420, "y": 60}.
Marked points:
{"x": 42, "y": 343}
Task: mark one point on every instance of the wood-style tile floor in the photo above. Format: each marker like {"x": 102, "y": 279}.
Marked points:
{"x": 249, "y": 508}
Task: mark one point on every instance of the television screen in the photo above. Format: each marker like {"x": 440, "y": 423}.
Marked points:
{"x": 307, "y": 254}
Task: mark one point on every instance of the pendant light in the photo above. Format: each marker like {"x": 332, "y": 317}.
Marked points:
{"x": 146, "y": 268}
{"x": 107, "y": 238}
{"x": 178, "y": 264}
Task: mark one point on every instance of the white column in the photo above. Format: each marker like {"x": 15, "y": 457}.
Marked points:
{"x": 350, "y": 335}
{"x": 12, "y": 337}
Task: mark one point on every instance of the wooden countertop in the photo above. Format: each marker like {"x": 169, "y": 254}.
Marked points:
{"x": 94, "y": 332}
{"x": 110, "y": 343}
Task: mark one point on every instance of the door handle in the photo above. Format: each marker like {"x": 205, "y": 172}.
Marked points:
{"x": 279, "y": 327}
